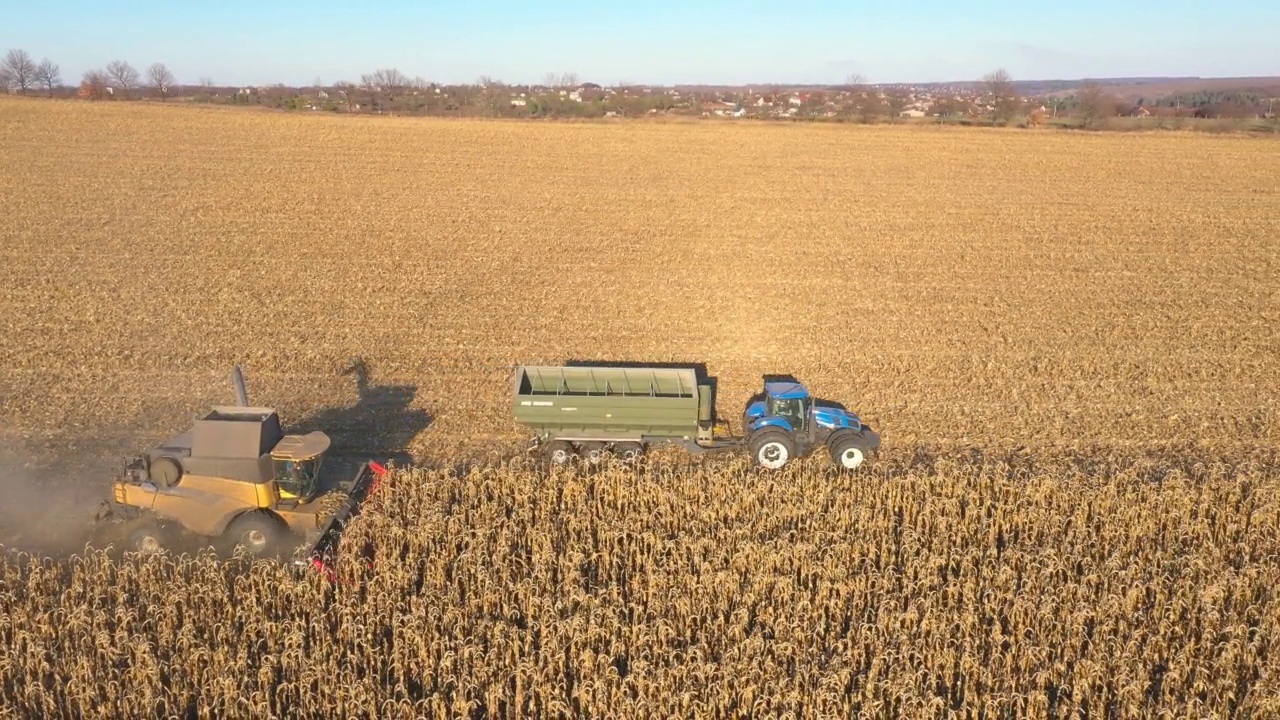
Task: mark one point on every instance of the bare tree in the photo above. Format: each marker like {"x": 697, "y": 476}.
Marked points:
{"x": 563, "y": 80}
{"x": 206, "y": 82}
{"x": 390, "y": 81}
{"x": 490, "y": 95}
{"x": 1004, "y": 96}
{"x": 896, "y": 101}
{"x": 161, "y": 79}
{"x": 49, "y": 75}
{"x": 123, "y": 75}
{"x": 19, "y": 70}
{"x": 348, "y": 90}
{"x": 1096, "y": 106}
{"x": 864, "y": 100}
{"x": 94, "y": 85}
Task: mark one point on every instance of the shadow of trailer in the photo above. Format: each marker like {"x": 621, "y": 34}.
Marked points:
{"x": 590, "y": 410}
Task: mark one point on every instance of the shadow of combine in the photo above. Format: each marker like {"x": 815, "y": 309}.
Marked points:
{"x": 380, "y": 426}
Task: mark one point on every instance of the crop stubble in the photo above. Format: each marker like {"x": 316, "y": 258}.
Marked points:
{"x": 1010, "y": 589}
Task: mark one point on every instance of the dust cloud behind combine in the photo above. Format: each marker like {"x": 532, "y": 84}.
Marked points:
{"x": 47, "y": 504}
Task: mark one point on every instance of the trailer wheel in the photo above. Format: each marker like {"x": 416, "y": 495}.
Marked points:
{"x": 559, "y": 452}
{"x": 629, "y": 452}
{"x": 592, "y": 452}
{"x": 772, "y": 449}
{"x": 848, "y": 453}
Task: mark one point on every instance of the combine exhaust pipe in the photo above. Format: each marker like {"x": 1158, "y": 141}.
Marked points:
{"x": 237, "y": 380}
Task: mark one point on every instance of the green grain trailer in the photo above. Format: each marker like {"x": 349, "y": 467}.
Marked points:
{"x": 590, "y": 410}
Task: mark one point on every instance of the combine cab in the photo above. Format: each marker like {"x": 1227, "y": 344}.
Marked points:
{"x": 237, "y": 478}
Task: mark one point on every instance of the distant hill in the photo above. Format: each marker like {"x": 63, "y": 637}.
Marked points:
{"x": 1157, "y": 86}
{"x": 1124, "y": 87}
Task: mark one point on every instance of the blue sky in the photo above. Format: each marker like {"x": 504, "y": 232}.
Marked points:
{"x": 238, "y": 42}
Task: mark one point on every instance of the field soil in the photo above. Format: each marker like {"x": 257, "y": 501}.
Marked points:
{"x": 955, "y": 286}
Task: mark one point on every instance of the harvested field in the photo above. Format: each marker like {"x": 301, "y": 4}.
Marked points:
{"x": 959, "y": 288}
{"x": 1099, "y": 312}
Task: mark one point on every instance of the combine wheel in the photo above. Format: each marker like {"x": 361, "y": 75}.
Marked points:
{"x": 772, "y": 449}
{"x": 147, "y": 539}
{"x": 592, "y": 452}
{"x": 559, "y": 452}
{"x": 256, "y": 532}
{"x": 629, "y": 452}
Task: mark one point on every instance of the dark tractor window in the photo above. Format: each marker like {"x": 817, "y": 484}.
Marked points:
{"x": 794, "y": 410}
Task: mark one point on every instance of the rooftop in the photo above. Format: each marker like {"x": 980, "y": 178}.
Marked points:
{"x": 786, "y": 390}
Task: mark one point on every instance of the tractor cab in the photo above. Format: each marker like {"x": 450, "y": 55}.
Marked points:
{"x": 788, "y": 406}
{"x": 790, "y": 401}
{"x": 296, "y": 461}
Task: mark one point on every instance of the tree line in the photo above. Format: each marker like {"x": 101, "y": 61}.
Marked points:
{"x": 994, "y": 99}
{"x": 20, "y": 73}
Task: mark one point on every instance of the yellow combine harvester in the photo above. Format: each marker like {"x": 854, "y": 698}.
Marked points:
{"x": 237, "y": 477}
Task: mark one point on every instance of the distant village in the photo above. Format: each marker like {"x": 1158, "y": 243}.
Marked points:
{"x": 995, "y": 99}
{"x": 869, "y": 103}
{"x": 593, "y": 100}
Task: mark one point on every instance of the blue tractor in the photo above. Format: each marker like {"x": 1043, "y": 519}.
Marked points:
{"x": 788, "y": 422}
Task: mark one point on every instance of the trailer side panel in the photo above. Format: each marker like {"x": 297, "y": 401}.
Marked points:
{"x": 607, "y": 403}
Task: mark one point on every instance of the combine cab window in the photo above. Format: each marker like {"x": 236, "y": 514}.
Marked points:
{"x": 298, "y": 478}
{"x": 794, "y": 410}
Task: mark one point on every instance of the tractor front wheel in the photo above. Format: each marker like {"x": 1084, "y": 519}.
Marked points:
{"x": 848, "y": 453}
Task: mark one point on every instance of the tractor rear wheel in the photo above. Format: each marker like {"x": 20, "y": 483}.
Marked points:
{"x": 772, "y": 449}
